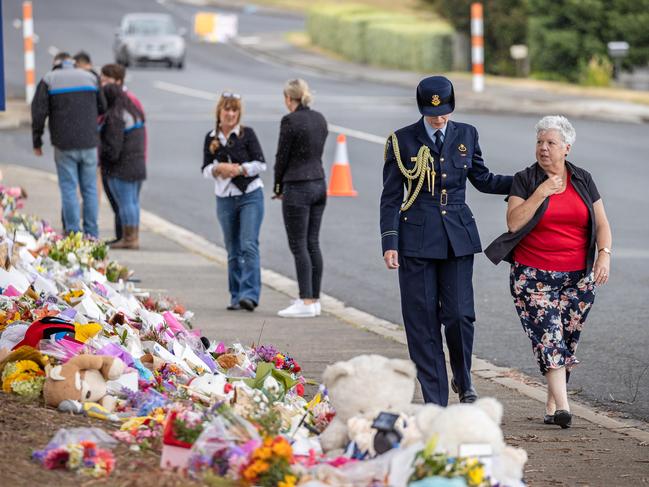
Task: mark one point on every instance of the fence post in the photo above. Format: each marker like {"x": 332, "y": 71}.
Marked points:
{"x": 477, "y": 46}
{"x": 28, "y": 41}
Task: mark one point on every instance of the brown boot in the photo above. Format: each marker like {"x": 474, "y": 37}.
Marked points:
{"x": 130, "y": 239}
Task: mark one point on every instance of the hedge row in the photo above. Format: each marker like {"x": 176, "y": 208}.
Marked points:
{"x": 366, "y": 35}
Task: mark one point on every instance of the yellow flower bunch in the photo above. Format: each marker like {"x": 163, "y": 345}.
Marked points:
{"x": 475, "y": 475}
{"x": 252, "y": 472}
{"x": 289, "y": 481}
{"x": 23, "y": 377}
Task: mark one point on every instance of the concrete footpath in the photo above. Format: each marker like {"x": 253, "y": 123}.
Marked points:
{"x": 596, "y": 451}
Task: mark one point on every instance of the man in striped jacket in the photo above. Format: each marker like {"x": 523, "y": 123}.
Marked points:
{"x": 70, "y": 99}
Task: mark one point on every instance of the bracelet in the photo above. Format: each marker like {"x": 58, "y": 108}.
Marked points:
{"x": 605, "y": 249}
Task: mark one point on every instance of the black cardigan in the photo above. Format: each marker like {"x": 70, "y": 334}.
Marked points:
{"x": 244, "y": 148}
{"x": 302, "y": 136}
{"x": 525, "y": 183}
{"x": 122, "y": 147}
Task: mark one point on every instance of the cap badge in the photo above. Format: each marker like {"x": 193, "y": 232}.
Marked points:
{"x": 461, "y": 148}
{"x": 436, "y": 101}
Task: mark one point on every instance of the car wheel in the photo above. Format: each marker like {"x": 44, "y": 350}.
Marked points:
{"x": 180, "y": 64}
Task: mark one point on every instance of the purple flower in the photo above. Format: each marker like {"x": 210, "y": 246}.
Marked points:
{"x": 267, "y": 353}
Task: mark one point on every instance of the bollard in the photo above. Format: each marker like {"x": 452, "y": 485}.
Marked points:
{"x": 477, "y": 46}
{"x": 28, "y": 42}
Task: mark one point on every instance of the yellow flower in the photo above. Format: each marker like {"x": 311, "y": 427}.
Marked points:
{"x": 475, "y": 475}
{"x": 289, "y": 481}
{"x": 283, "y": 449}
{"x": 263, "y": 453}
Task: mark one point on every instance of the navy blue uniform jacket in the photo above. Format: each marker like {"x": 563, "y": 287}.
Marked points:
{"x": 434, "y": 222}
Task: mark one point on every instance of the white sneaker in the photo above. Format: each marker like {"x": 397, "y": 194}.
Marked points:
{"x": 318, "y": 308}
{"x": 298, "y": 310}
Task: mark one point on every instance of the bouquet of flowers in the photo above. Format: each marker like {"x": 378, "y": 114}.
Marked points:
{"x": 431, "y": 463}
{"x": 83, "y": 457}
{"x": 270, "y": 464}
{"x": 78, "y": 249}
{"x": 23, "y": 377}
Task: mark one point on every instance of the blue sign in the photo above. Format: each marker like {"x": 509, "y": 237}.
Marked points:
{"x": 2, "y": 66}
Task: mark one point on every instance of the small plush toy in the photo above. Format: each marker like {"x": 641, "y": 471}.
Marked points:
{"x": 363, "y": 387}
{"x": 461, "y": 424}
{"x": 82, "y": 378}
{"x": 470, "y": 424}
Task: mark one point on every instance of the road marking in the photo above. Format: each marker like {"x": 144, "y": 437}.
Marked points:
{"x": 207, "y": 95}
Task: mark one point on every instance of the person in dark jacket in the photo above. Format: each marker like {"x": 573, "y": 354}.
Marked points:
{"x": 233, "y": 159}
{"x": 122, "y": 155}
{"x": 431, "y": 235}
{"x": 116, "y": 73}
{"x": 300, "y": 183}
{"x": 559, "y": 244}
{"x": 70, "y": 100}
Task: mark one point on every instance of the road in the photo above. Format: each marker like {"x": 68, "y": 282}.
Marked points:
{"x": 180, "y": 105}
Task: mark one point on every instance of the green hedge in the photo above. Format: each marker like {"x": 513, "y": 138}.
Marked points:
{"x": 323, "y": 23}
{"x": 418, "y": 47}
{"x": 364, "y": 34}
{"x": 353, "y": 30}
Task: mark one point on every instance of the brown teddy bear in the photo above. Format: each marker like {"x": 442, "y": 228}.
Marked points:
{"x": 82, "y": 378}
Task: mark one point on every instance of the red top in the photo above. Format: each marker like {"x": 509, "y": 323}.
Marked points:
{"x": 559, "y": 242}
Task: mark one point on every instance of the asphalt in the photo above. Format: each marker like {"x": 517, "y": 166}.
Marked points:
{"x": 597, "y": 450}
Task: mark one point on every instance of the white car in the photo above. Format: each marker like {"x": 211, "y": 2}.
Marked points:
{"x": 149, "y": 37}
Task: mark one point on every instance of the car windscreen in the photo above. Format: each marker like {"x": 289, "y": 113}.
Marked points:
{"x": 150, "y": 27}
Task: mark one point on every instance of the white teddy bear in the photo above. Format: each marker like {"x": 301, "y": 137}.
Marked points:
{"x": 362, "y": 388}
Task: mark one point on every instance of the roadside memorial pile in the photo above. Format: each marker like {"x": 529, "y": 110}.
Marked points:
{"x": 76, "y": 335}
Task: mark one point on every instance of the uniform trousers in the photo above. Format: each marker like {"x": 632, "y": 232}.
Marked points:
{"x": 436, "y": 292}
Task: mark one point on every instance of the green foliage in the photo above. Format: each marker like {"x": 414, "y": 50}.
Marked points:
{"x": 598, "y": 72}
{"x": 417, "y": 47}
{"x": 505, "y": 24}
{"x": 364, "y": 34}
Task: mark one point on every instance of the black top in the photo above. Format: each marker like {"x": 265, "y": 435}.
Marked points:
{"x": 525, "y": 183}
{"x": 242, "y": 148}
{"x": 122, "y": 147}
{"x": 302, "y": 137}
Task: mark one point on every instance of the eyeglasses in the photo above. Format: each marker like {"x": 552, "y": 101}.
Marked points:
{"x": 228, "y": 94}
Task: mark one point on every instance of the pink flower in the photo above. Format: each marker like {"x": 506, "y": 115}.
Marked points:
{"x": 56, "y": 458}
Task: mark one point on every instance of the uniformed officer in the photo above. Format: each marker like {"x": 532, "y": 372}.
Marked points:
{"x": 430, "y": 235}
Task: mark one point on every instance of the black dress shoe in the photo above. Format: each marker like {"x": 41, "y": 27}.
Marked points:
{"x": 233, "y": 307}
{"x": 247, "y": 304}
{"x": 548, "y": 419}
{"x": 469, "y": 396}
{"x": 563, "y": 418}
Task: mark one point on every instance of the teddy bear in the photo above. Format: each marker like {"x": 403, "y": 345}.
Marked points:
{"x": 362, "y": 388}
{"x": 471, "y": 424}
{"x": 82, "y": 378}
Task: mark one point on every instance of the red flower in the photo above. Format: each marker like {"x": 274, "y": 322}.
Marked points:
{"x": 299, "y": 389}
{"x": 227, "y": 387}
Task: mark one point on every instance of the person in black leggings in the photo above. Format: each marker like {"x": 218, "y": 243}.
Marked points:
{"x": 300, "y": 184}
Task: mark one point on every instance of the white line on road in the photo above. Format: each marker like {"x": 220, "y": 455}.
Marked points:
{"x": 206, "y": 95}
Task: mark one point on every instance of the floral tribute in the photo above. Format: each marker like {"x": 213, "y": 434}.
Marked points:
{"x": 84, "y": 458}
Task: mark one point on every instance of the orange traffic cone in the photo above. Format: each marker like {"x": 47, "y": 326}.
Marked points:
{"x": 340, "y": 183}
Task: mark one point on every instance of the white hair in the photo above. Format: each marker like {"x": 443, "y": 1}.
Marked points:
{"x": 560, "y": 124}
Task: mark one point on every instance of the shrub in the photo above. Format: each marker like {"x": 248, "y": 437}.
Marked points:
{"x": 598, "y": 72}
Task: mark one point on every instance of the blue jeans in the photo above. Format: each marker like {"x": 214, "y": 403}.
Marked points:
{"x": 78, "y": 167}
{"x": 240, "y": 218}
{"x": 127, "y": 194}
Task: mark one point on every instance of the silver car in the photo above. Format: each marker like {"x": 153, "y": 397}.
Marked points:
{"x": 149, "y": 37}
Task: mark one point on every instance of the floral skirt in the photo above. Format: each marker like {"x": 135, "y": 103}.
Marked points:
{"x": 553, "y": 307}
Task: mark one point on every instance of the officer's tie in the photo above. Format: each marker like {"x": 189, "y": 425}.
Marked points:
{"x": 439, "y": 141}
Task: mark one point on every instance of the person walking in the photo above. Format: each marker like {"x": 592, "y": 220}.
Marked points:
{"x": 233, "y": 158}
{"x": 559, "y": 246}
{"x": 300, "y": 184}
{"x": 70, "y": 100}
{"x": 116, "y": 73}
{"x": 122, "y": 157}
{"x": 431, "y": 235}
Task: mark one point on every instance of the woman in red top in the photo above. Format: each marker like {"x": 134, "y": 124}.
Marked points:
{"x": 556, "y": 221}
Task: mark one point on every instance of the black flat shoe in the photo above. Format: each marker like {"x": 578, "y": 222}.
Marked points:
{"x": 454, "y": 386}
{"x": 247, "y": 304}
{"x": 233, "y": 307}
{"x": 548, "y": 419}
{"x": 563, "y": 418}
